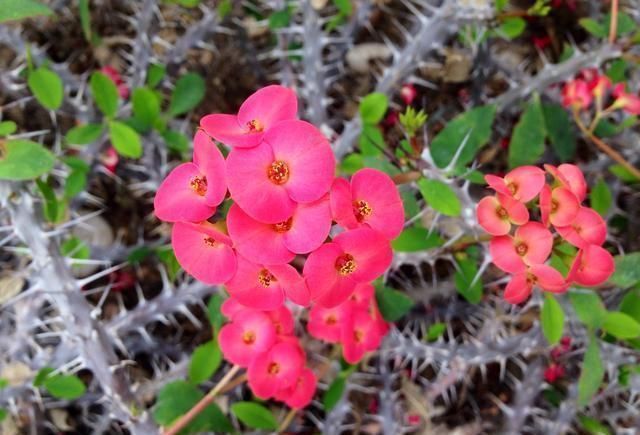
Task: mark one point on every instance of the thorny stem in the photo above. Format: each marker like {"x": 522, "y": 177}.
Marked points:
{"x": 613, "y": 27}
{"x": 202, "y": 404}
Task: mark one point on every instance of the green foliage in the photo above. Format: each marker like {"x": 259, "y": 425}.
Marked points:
{"x": 630, "y": 304}
{"x": 466, "y": 279}
{"x": 440, "y": 196}
{"x": 623, "y": 173}
{"x": 47, "y": 87}
{"x": 85, "y": 19}
{"x": 552, "y": 318}
{"x": 621, "y": 325}
{"x": 280, "y": 19}
{"x": 412, "y": 121}
{"x": 371, "y": 141}
{"x": 204, "y": 362}
{"x": 617, "y": 70}
{"x": 166, "y": 255}
{"x": 600, "y": 197}
{"x": 225, "y": 7}
{"x": 558, "y": 128}
{"x": 7, "y": 128}
{"x": 415, "y": 238}
{"x": 512, "y": 27}
{"x": 146, "y": 107}
{"x": 333, "y": 394}
{"x": 476, "y": 123}
{"x": 435, "y": 331}
{"x": 592, "y": 373}
{"x": 66, "y": 387}
{"x": 593, "y": 426}
{"x": 84, "y": 134}
{"x": 75, "y": 248}
{"x": 393, "y": 304}
{"x": 187, "y": 94}
{"x": 600, "y": 29}
{"x": 176, "y": 141}
{"x": 627, "y": 273}
{"x": 50, "y": 208}
{"x": 588, "y": 307}
{"x": 11, "y": 10}
{"x": 155, "y": 74}
{"x": 22, "y": 159}
{"x": 125, "y": 140}
{"x": 527, "y": 141}
{"x": 216, "y": 318}
{"x": 105, "y": 93}
{"x": 254, "y": 415}
{"x": 373, "y": 107}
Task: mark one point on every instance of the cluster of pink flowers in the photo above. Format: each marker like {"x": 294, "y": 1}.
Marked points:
{"x": 280, "y": 175}
{"x": 524, "y": 251}
{"x": 590, "y": 85}
{"x": 555, "y": 370}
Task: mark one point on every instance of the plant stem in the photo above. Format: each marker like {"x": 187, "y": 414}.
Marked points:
{"x": 202, "y": 404}
{"x": 613, "y": 27}
{"x": 287, "y": 420}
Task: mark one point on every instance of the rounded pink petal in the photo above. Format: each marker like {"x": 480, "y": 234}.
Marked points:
{"x": 538, "y": 240}
{"x": 340, "y": 292}
{"x": 210, "y": 162}
{"x": 488, "y": 212}
{"x": 283, "y": 322}
{"x": 326, "y": 323}
{"x": 276, "y": 369}
{"x": 525, "y": 182}
{"x": 258, "y": 242}
{"x": 545, "y": 204}
{"x": 516, "y": 211}
{"x": 371, "y": 252}
{"x": 592, "y": 266}
{"x": 587, "y": 228}
{"x": 268, "y": 106}
{"x": 246, "y": 337}
{"x": 360, "y": 335}
{"x": 228, "y": 130}
{"x": 564, "y": 206}
{"x": 575, "y": 179}
{"x": 204, "y": 252}
{"x": 292, "y": 283}
{"x": 342, "y": 204}
{"x": 251, "y": 187}
{"x": 255, "y": 286}
{"x": 177, "y": 201}
{"x": 320, "y": 269}
{"x": 362, "y": 295}
{"x": 504, "y": 255}
{"x": 548, "y": 278}
{"x": 303, "y": 390}
{"x": 556, "y": 174}
{"x": 498, "y": 184}
{"x": 518, "y": 289}
{"x": 310, "y": 226}
{"x": 230, "y": 307}
{"x": 308, "y": 156}
{"x": 382, "y": 209}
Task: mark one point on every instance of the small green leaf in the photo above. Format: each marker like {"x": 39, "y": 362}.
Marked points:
{"x": 22, "y": 159}
{"x": 393, "y": 304}
{"x": 621, "y": 325}
{"x": 146, "y": 107}
{"x": 125, "y": 140}
{"x": 512, "y": 27}
{"x": 50, "y": 201}
{"x": 204, "y": 362}
{"x": 588, "y": 307}
{"x": 625, "y": 24}
{"x": 105, "y": 93}
{"x": 373, "y": 107}
{"x": 155, "y": 74}
{"x": 279, "y": 19}
{"x": 617, "y": 70}
{"x": 623, "y": 173}
{"x": 176, "y": 141}
{"x": 76, "y": 163}
{"x": 11, "y": 10}
{"x": 42, "y": 374}
{"x": 76, "y": 182}
{"x": 84, "y": 134}
{"x": 593, "y": 426}
{"x": 225, "y": 7}
{"x": 3, "y": 414}
{"x": 7, "y": 128}
{"x": 75, "y": 248}
{"x": 334, "y": 393}
{"x": 593, "y": 27}
{"x": 552, "y": 318}
{"x": 166, "y": 255}
{"x": 66, "y": 387}
{"x": 600, "y": 197}
{"x": 187, "y": 94}
{"x": 47, "y": 87}
{"x": 371, "y": 141}
{"x": 344, "y": 7}
{"x": 464, "y": 280}
{"x": 85, "y": 19}
{"x": 216, "y": 318}
{"x": 627, "y": 272}
{"x": 630, "y": 304}
{"x": 605, "y": 128}
{"x": 414, "y": 239}
{"x": 352, "y": 163}
{"x": 435, "y": 331}
{"x": 440, "y": 196}
{"x": 527, "y": 141}
{"x": 476, "y": 123}
{"x": 592, "y": 373}
{"x": 254, "y": 415}
{"x": 561, "y": 134}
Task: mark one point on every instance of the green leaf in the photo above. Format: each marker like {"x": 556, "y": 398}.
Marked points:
{"x": 42, "y": 374}
{"x": 177, "y": 398}
{"x": 204, "y": 362}
{"x": 85, "y": 19}
{"x": 76, "y": 182}
{"x": 155, "y": 74}
{"x": 476, "y": 123}
{"x": 146, "y": 107}
{"x": 125, "y": 139}
{"x": 216, "y": 318}
{"x": 440, "y": 196}
{"x": 187, "y": 94}
{"x": 50, "y": 201}
{"x": 176, "y": 141}
{"x": 435, "y": 331}
{"x": 84, "y": 134}
{"x": 561, "y": 135}
{"x": 605, "y": 128}
{"x": 168, "y": 258}
{"x": 552, "y": 318}
{"x": 593, "y": 426}
{"x": 279, "y": 19}
{"x": 76, "y": 163}
{"x": 3, "y": 414}
{"x": 464, "y": 280}
{"x": 371, "y": 141}
{"x": 600, "y": 197}
{"x": 630, "y": 304}
{"x": 22, "y": 159}
{"x": 333, "y": 394}
{"x": 352, "y": 163}
{"x": 625, "y": 24}
{"x": 393, "y": 304}
{"x": 47, "y": 87}
{"x": 593, "y": 27}
{"x": 617, "y": 70}
{"x": 254, "y": 415}
{"x": 7, "y": 128}
{"x": 373, "y": 107}
{"x": 588, "y": 307}
{"x": 623, "y": 173}
{"x": 66, "y": 387}
{"x": 105, "y": 93}
{"x": 225, "y": 7}
{"x": 344, "y": 7}
{"x": 621, "y": 325}
{"x": 512, "y": 27}
{"x": 414, "y": 239}
{"x": 527, "y": 141}
{"x": 75, "y": 248}
{"x": 11, "y": 10}
{"x": 627, "y": 272}
{"x": 592, "y": 373}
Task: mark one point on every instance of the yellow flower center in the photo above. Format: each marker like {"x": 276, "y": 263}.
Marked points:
{"x": 209, "y": 241}
{"x": 278, "y": 172}
{"x": 346, "y": 264}
{"x": 265, "y": 278}
{"x": 284, "y": 226}
{"x": 249, "y": 337}
{"x": 254, "y": 126}
{"x": 199, "y": 185}
{"x": 361, "y": 209}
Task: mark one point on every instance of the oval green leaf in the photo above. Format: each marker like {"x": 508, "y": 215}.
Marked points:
{"x": 47, "y": 87}
{"x": 440, "y": 196}
{"x": 204, "y": 362}
{"x": 373, "y": 107}
{"x": 84, "y": 134}
{"x": 67, "y": 387}
{"x": 393, "y": 304}
{"x": 187, "y": 94}
{"x": 552, "y": 318}
{"x": 125, "y": 140}
{"x": 621, "y": 325}
{"x": 23, "y": 159}
{"x": 254, "y": 415}
{"x": 105, "y": 93}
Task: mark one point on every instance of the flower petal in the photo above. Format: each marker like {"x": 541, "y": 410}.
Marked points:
{"x": 527, "y": 182}
{"x": 504, "y": 255}
{"x": 587, "y": 228}
{"x": 538, "y": 239}
{"x": 268, "y": 106}
{"x": 264, "y": 380}
{"x": 564, "y": 207}
{"x": 310, "y": 226}
{"x": 548, "y": 278}
{"x": 342, "y": 204}
{"x": 303, "y": 390}
{"x": 370, "y": 249}
{"x": 176, "y": 201}
{"x": 247, "y": 289}
{"x": 228, "y": 130}
{"x": 247, "y": 337}
{"x": 518, "y": 289}
{"x": 292, "y": 283}
{"x": 210, "y": 162}
{"x": 320, "y": 269}
{"x": 592, "y": 266}
{"x": 488, "y": 218}
{"x": 340, "y": 292}
{"x": 326, "y": 323}
{"x": 498, "y": 184}
{"x": 575, "y": 180}
{"x": 517, "y": 211}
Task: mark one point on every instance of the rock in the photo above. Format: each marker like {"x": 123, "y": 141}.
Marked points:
{"x": 360, "y": 56}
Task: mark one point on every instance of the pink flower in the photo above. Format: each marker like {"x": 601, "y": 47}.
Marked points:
{"x": 360, "y": 334}
{"x": 371, "y": 199}
{"x": 248, "y": 336}
{"x": 278, "y": 243}
{"x": 571, "y": 177}
{"x": 192, "y": 191}
{"x": 408, "y": 93}
{"x": 497, "y": 213}
{"x": 116, "y": 77}
{"x": 576, "y": 93}
{"x": 531, "y": 245}
{"x": 553, "y": 373}
{"x": 588, "y": 228}
{"x": 592, "y": 266}
{"x": 558, "y": 206}
{"x": 362, "y": 296}
{"x": 293, "y": 164}
{"x": 282, "y": 320}
{"x": 276, "y": 369}
{"x": 545, "y": 277}
{"x": 261, "y": 111}
{"x": 110, "y": 159}
{"x": 265, "y": 287}
{"x": 326, "y": 323}
{"x": 599, "y": 85}
{"x": 300, "y": 394}
{"x": 353, "y": 257}
{"x": 204, "y": 252}
{"x": 523, "y": 183}
{"x": 230, "y": 307}
{"x": 628, "y": 102}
